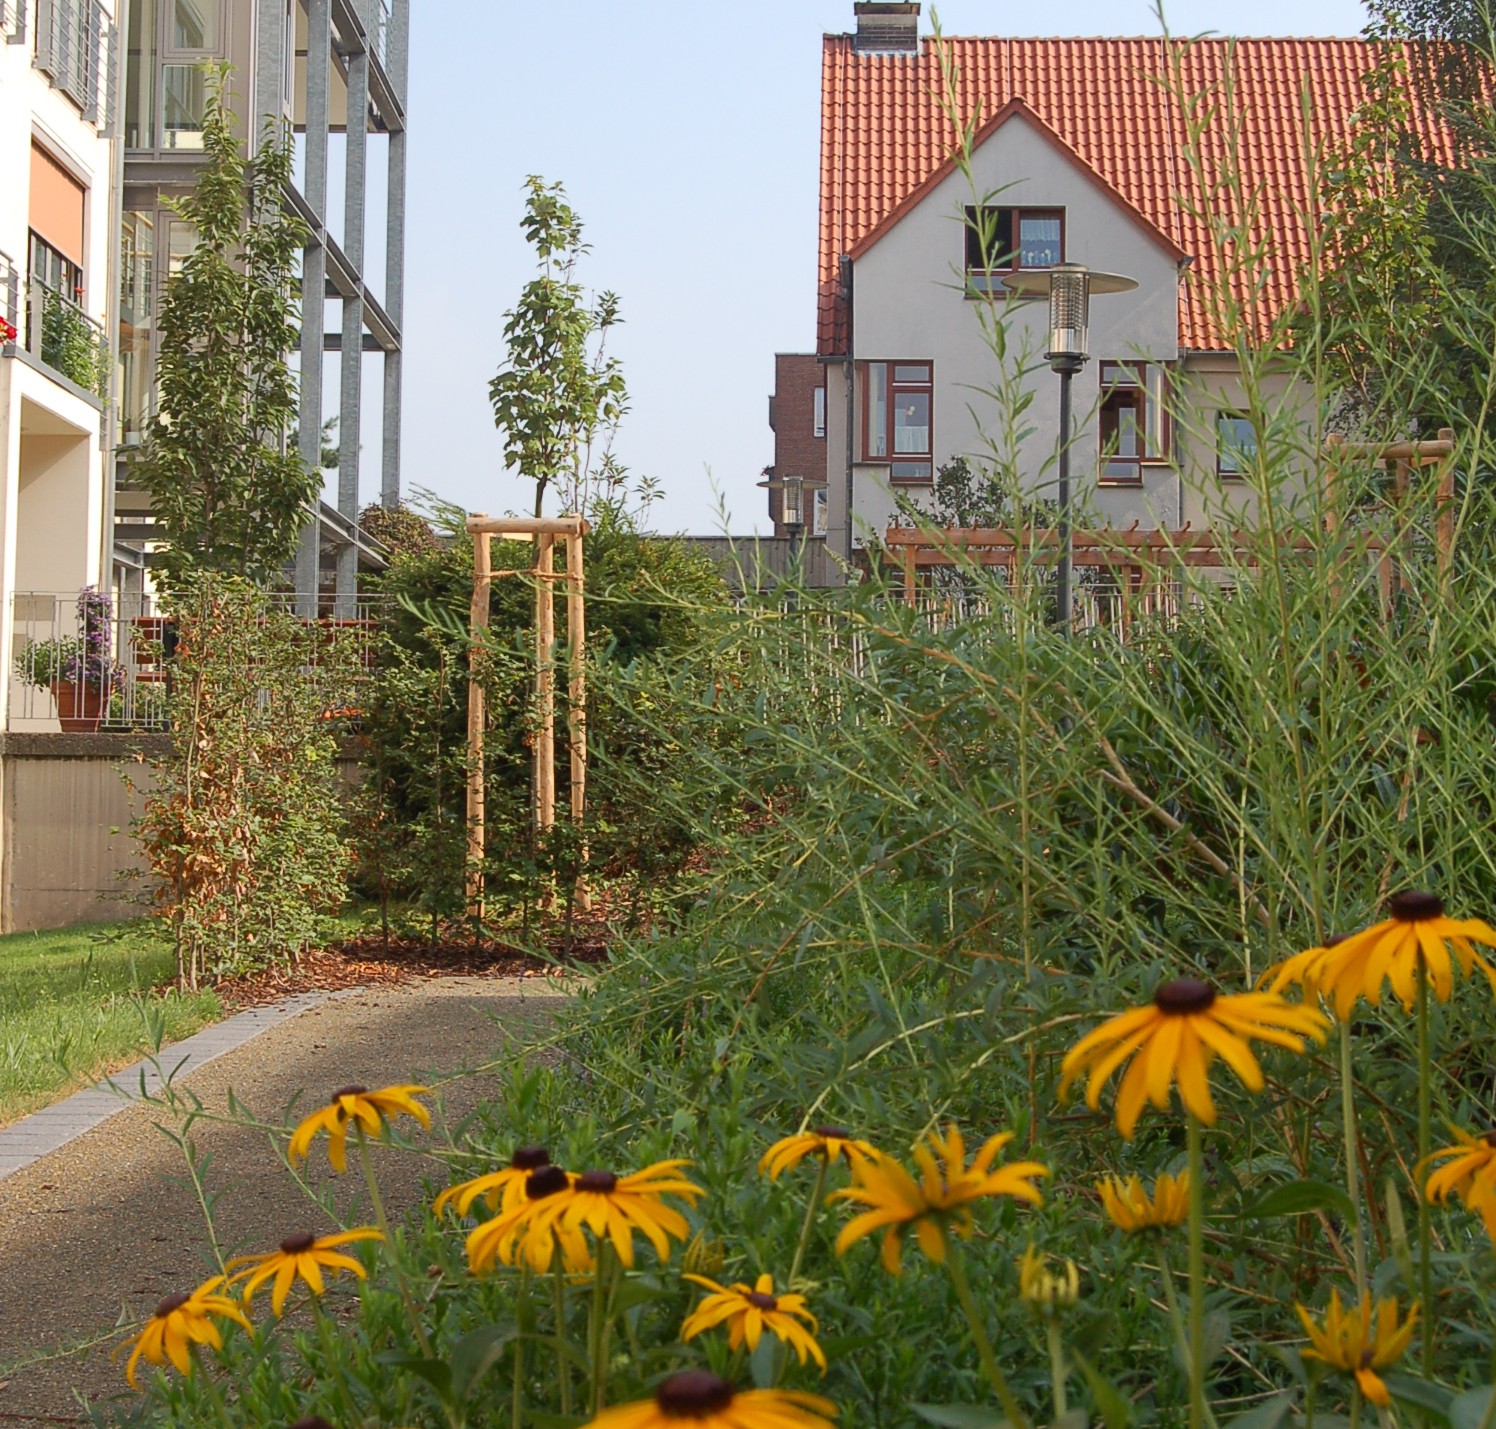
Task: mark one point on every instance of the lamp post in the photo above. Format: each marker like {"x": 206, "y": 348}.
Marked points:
{"x": 1069, "y": 286}
{"x": 793, "y": 491}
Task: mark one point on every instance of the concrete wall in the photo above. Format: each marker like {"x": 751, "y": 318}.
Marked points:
{"x": 61, "y": 798}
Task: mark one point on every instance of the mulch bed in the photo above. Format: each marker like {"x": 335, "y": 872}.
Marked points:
{"x": 365, "y": 962}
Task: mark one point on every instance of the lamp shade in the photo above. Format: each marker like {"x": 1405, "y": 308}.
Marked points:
{"x": 1069, "y": 287}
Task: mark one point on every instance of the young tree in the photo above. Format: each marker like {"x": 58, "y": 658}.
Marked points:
{"x": 228, "y": 493}
{"x": 559, "y": 391}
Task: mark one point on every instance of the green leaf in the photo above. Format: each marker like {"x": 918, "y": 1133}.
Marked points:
{"x": 1267, "y": 1415}
{"x": 960, "y": 1416}
{"x": 1469, "y": 1410}
{"x": 1298, "y": 1198}
{"x": 435, "y": 1372}
{"x": 1433, "y": 1399}
{"x": 1111, "y": 1403}
{"x": 477, "y": 1353}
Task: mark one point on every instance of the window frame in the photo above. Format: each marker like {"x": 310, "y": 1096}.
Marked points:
{"x": 818, "y": 411}
{"x": 1237, "y": 473}
{"x": 169, "y": 53}
{"x": 972, "y": 238}
{"x": 1150, "y": 381}
{"x": 892, "y": 386}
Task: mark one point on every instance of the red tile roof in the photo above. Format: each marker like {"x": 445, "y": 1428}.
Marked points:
{"x": 884, "y": 135}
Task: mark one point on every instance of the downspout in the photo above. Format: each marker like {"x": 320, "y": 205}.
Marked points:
{"x": 111, "y": 424}
{"x": 851, "y": 413}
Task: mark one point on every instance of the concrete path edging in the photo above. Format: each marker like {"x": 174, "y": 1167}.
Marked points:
{"x": 43, "y": 1132}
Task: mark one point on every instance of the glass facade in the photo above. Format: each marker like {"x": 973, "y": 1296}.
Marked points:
{"x": 136, "y": 320}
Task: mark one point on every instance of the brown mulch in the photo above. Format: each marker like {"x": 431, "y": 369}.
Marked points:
{"x": 365, "y": 962}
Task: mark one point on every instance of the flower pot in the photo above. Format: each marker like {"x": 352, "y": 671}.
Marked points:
{"x": 80, "y": 708}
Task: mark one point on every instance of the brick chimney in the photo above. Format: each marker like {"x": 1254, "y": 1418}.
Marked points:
{"x": 886, "y": 27}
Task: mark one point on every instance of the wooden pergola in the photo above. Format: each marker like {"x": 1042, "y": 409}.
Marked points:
{"x": 1144, "y": 560}
{"x": 545, "y": 532}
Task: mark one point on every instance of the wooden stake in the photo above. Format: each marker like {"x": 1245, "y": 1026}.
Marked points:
{"x": 545, "y": 682}
{"x": 576, "y": 692}
{"x": 1444, "y": 524}
{"x": 477, "y": 622}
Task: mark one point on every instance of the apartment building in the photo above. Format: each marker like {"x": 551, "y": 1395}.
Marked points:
{"x": 58, "y": 109}
{"x": 334, "y": 71}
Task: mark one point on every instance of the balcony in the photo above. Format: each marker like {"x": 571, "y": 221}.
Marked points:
{"x": 54, "y": 331}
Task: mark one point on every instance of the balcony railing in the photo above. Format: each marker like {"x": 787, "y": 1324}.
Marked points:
{"x": 379, "y": 29}
{"x": 13, "y": 20}
{"x": 59, "y": 334}
{"x": 76, "y": 47}
{"x": 10, "y": 298}
{"x": 120, "y": 652}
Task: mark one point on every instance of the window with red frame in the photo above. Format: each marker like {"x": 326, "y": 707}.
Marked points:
{"x": 999, "y": 240}
{"x": 1133, "y": 421}
{"x": 898, "y": 410}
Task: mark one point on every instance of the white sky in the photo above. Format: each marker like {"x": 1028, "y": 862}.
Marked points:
{"x": 687, "y": 135}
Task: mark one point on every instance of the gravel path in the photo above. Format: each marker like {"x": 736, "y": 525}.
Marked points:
{"x": 109, "y": 1224}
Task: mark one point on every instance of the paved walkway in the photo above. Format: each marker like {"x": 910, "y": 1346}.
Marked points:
{"x": 102, "y": 1222}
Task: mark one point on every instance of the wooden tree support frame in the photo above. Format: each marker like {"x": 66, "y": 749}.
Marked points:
{"x": 545, "y": 533}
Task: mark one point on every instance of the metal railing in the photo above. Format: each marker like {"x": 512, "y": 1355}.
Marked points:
{"x": 10, "y": 298}
{"x": 82, "y": 662}
{"x": 379, "y": 29}
{"x": 76, "y": 48}
{"x": 13, "y": 20}
{"x": 61, "y": 335}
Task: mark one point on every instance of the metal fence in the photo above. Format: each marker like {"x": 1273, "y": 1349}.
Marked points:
{"x": 83, "y": 662}
{"x": 57, "y": 332}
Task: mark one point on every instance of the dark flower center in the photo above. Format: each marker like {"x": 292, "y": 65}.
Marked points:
{"x": 693, "y": 1394}
{"x": 603, "y": 1181}
{"x": 1183, "y": 996}
{"x": 172, "y": 1302}
{"x": 1334, "y": 940}
{"x": 342, "y": 1092}
{"x": 545, "y": 1181}
{"x": 530, "y": 1158}
{"x": 1490, "y": 1139}
{"x": 760, "y": 1301}
{"x": 831, "y": 1133}
{"x": 1414, "y": 907}
{"x": 298, "y": 1244}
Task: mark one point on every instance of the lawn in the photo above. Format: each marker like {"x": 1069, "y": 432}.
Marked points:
{"x": 76, "y": 1003}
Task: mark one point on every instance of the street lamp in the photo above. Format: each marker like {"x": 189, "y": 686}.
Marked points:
{"x": 793, "y": 491}
{"x": 1069, "y": 286}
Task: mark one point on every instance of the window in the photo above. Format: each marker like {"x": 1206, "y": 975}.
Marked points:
{"x": 1236, "y": 444}
{"x": 819, "y": 512}
{"x": 818, "y": 420}
{"x": 194, "y": 26}
{"x": 897, "y": 430}
{"x": 998, "y": 240}
{"x": 1134, "y": 424}
{"x": 55, "y": 271}
{"x": 183, "y": 101}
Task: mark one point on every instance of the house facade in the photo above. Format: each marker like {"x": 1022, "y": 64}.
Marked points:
{"x": 1080, "y": 154}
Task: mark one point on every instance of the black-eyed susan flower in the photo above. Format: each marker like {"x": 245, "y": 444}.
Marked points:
{"x": 513, "y": 1234}
{"x": 826, "y": 1143}
{"x": 1132, "y": 1209}
{"x": 699, "y": 1398}
{"x": 1469, "y": 1172}
{"x": 939, "y": 1202}
{"x": 748, "y": 1313}
{"x": 299, "y": 1257}
{"x": 1360, "y": 1340}
{"x": 617, "y": 1206}
{"x": 361, "y": 1107}
{"x": 504, "y": 1190}
{"x": 180, "y": 1322}
{"x": 1415, "y": 935}
{"x": 1043, "y": 1290}
{"x": 1176, "y": 1038}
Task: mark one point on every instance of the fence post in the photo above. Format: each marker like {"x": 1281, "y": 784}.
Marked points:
{"x": 477, "y": 621}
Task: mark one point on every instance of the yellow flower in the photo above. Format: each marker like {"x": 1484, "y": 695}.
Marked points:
{"x": 748, "y": 1313}
{"x": 1047, "y": 1291}
{"x": 938, "y": 1202}
{"x": 1301, "y": 970}
{"x": 1415, "y": 939}
{"x": 504, "y": 1190}
{"x": 369, "y": 1110}
{"x": 698, "y": 1398}
{"x": 1132, "y": 1209}
{"x": 825, "y": 1142}
{"x": 617, "y": 1206}
{"x": 1176, "y": 1038}
{"x": 299, "y": 1257}
{"x": 181, "y": 1321}
{"x": 1355, "y": 1342}
{"x": 512, "y": 1233}
{"x": 1470, "y": 1173}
